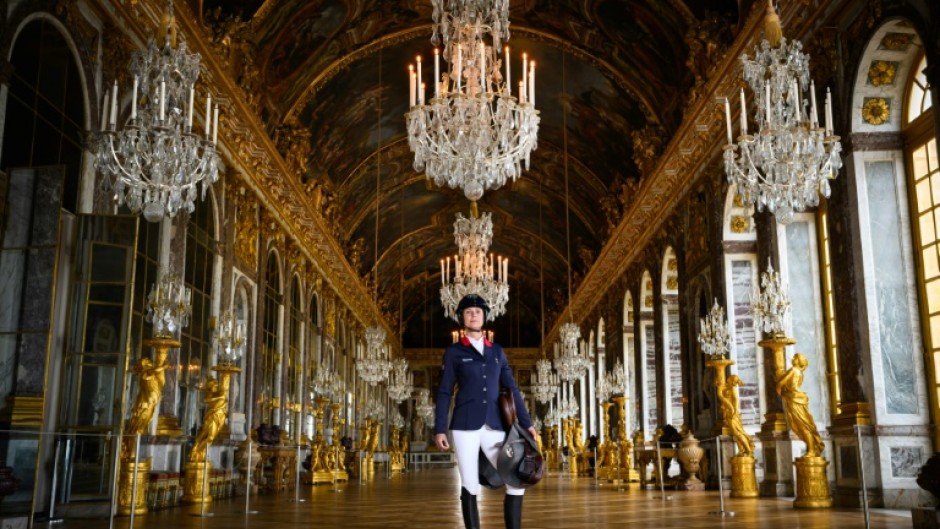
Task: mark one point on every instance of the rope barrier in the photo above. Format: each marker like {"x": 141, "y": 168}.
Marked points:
{"x": 861, "y": 470}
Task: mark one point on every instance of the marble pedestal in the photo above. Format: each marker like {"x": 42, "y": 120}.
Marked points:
{"x": 778, "y": 464}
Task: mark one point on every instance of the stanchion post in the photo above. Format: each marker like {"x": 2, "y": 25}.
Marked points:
{"x": 662, "y": 479}
{"x": 297, "y": 498}
{"x": 55, "y": 483}
{"x": 134, "y": 480}
{"x": 248, "y": 482}
{"x": 115, "y": 469}
{"x": 721, "y": 490}
{"x": 861, "y": 470}
{"x": 359, "y": 455}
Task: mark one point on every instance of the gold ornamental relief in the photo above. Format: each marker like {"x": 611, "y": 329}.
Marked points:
{"x": 882, "y": 73}
{"x": 672, "y": 283}
{"x": 740, "y": 224}
{"x": 897, "y": 41}
{"x": 876, "y": 110}
{"x": 648, "y": 301}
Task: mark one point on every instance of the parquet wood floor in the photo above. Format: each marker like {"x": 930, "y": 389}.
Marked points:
{"x": 429, "y": 499}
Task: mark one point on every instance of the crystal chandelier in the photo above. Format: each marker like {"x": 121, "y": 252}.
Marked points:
{"x": 230, "y": 339}
{"x": 169, "y": 305}
{"x": 423, "y": 406}
{"x": 374, "y": 366}
{"x": 713, "y": 333}
{"x": 568, "y": 407}
{"x": 475, "y": 271}
{"x": 323, "y": 382}
{"x": 570, "y": 364}
{"x": 401, "y": 381}
{"x": 788, "y": 163}
{"x": 473, "y": 134}
{"x": 552, "y": 418}
{"x": 602, "y": 390}
{"x": 617, "y": 379}
{"x": 154, "y": 162}
{"x": 546, "y": 382}
{"x": 771, "y": 304}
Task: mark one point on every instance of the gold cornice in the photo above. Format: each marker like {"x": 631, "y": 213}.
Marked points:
{"x": 694, "y": 147}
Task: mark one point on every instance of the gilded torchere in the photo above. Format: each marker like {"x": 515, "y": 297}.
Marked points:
{"x": 625, "y": 452}
{"x": 603, "y": 462}
{"x": 151, "y": 379}
{"x": 198, "y": 467}
{"x": 812, "y": 486}
{"x": 320, "y": 469}
{"x": 743, "y": 476}
{"x": 339, "y": 466}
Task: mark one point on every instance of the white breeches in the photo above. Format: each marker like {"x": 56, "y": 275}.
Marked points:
{"x": 467, "y": 444}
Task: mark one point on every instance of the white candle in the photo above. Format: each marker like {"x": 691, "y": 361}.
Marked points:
{"x": 525, "y": 68}
{"x": 134, "y": 100}
{"x": 104, "y": 108}
{"x": 443, "y": 273}
{"x": 743, "y": 115}
{"x": 114, "y": 105}
{"x": 208, "y": 115}
{"x": 767, "y": 100}
{"x": 215, "y": 125}
{"x": 437, "y": 73}
{"x": 419, "y": 83}
{"x": 728, "y": 120}
{"x": 447, "y": 268}
{"x": 521, "y": 90}
{"x": 423, "y": 88}
{"x": 813, "y": 116}
{"x": 828, "y": 111}
{"x": 411, "y": 86}
{"x": 459, "y": 71}
{"x": 189, "y": 108}
{"x": 506, "y": 269}
{"x": 482, "y": 66}
{"x": 506, "y": 60}
{"x": 532, "y": 83}
{"x": 162, "y": 99}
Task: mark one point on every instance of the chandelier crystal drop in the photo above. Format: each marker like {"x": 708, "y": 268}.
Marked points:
{"x": 787, "y": 164}
{"x": 546, "y": 382}
{"x": 169, "y": 305}
{"x": 770, "y": 305}
{"x": 374, "y": 366}
{"x": 473, "y": 134}
{"x": 713, "y": 333}
{"x": 154, "y": 162}
{"x": 571, "y": 365}
{"x": 401, "y": 381}
{"x": 475, "y": 271}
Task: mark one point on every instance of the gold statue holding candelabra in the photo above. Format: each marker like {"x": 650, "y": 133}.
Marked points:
{"x": 230, "y": 341}
{"x": 167, "y": 309}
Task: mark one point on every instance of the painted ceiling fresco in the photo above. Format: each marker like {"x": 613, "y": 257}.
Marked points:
{"x": 607, "y": 69}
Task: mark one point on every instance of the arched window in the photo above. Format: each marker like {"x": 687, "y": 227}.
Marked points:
{"x": 672, "y": 340}
{"x": 629, "y": 359}
{"x": 918, "y": 98}
{"x": 196, "y": 338}
{"x": 270, "y": 353}
{"x": 294, "y": 384}
{"x": 649, "y": 397}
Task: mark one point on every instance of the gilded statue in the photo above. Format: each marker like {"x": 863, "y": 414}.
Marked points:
{"x": 216, "y": 404}
{"x": 373, "y": 437}
{"x": 796, "y": 404}
{"x": 731, "y": 411}
{"x": 152, "y": 379}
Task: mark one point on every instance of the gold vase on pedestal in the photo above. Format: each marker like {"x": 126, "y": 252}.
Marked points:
{"x": 151, "y": 379}
{"x": 196, "y": 489}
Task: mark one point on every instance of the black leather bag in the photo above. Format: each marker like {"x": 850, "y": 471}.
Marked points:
{"x": 519, "y": 462}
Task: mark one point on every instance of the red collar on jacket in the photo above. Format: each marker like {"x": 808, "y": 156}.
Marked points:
{"x": 466, "y": 341}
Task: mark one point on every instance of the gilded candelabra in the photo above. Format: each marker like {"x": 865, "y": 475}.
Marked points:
{"x": 743, "y": 476}
{"x": 625, "y": 447}
{"x": 339, "y": 465}
{"x": 604, "y": 462}
{"x": 320, "y": 468}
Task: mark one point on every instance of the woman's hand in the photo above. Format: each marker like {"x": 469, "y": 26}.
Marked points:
{"x": 534, "y": 432}
{"x": 440, "y": 441}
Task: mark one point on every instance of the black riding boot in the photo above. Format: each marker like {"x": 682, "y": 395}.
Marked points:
{"x": 468, "y": 504}
{"x": 512, "y": 511}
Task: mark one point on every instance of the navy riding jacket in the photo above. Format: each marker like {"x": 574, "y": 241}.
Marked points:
{"x": 479, "y": 378}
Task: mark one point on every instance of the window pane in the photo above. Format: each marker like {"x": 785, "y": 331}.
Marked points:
{"x": 931, "y": 268}
{"x": 933, "y": 297}
{"x": 919, "y": 157}
{"x": 932, "y": 154}
{"x": 927, "y": 233}
{"x": 923, "y": 196}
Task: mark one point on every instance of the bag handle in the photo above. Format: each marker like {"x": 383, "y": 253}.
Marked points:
{"x": 507, "y": 407}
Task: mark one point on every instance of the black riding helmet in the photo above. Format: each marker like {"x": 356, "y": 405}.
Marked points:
{"x": 471, "y": 300}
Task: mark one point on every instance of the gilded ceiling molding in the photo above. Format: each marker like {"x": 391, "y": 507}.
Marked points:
{"x": 695, "y": 146}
